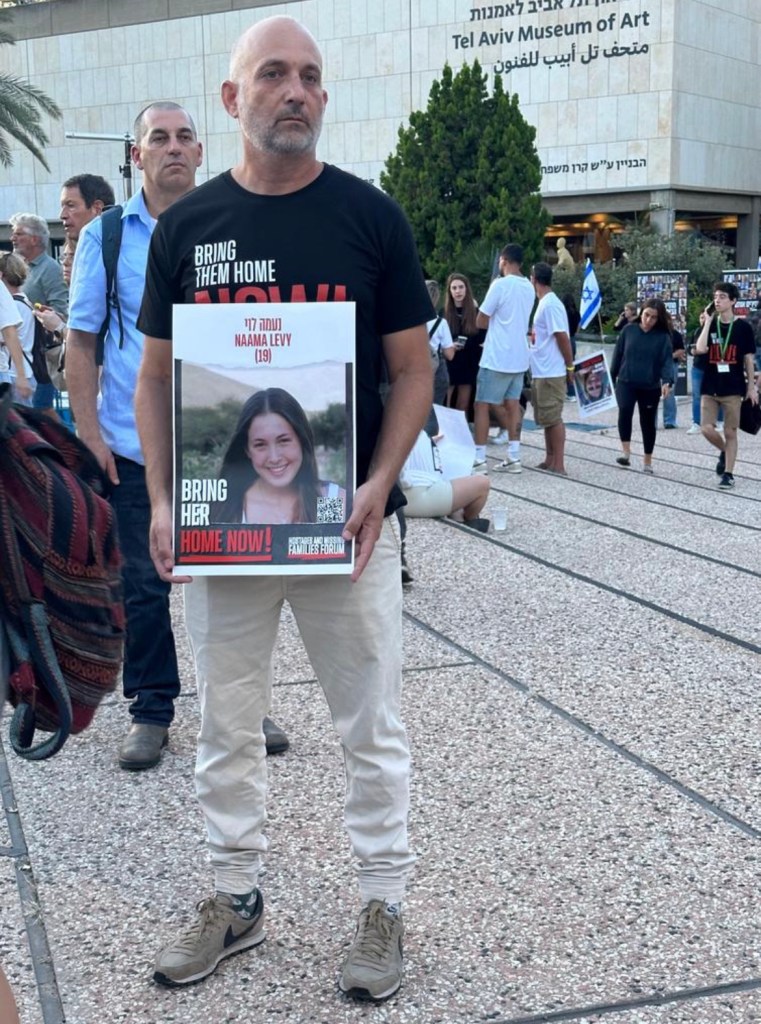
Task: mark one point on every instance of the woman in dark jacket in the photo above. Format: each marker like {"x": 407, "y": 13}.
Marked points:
{"x": 643, "y": 372}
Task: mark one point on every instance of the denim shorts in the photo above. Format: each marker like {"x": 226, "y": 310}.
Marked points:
{"x": 494, "y": 387}
{"x": 44, "y": 396}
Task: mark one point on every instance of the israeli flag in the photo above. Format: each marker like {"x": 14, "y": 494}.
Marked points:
{"x": 590, "y": 295}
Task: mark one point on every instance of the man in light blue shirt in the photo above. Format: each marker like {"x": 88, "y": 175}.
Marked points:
{"x": 167, "y": 151}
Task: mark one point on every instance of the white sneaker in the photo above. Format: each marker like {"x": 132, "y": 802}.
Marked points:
{"x": 502, "y": 438}
{"x": 509, "y": 466}
{"x": 694, "y": 429}
{"x": 478, "y": 463}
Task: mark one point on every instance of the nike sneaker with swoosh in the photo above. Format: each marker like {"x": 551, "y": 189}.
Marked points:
{"x": 374, "y": 968}
{"x": 218, "y": 932}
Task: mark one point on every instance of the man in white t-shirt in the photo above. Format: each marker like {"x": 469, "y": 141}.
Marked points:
{"x": 505, "y": 311}
{"x": 551, "y": 361}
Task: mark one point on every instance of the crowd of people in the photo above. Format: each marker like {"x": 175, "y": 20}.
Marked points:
{"x": 517, "y": 347}
{"x": 116, "y": 320}
{"x": 725, "y": 373}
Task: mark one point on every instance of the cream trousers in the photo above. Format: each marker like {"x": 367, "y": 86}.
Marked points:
{"x": 352, "y": 634}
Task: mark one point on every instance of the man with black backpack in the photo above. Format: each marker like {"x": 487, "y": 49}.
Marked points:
{"x": 167, "y": 151}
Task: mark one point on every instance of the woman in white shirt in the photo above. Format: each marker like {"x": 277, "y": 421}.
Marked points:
{"x": 430, "y": 496}
{"x": 17, "y": 329}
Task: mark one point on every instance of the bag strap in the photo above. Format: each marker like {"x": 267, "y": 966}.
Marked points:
{"x": 36, "y": 645}
{"x": 435, "y": 327}
{"x": 111, "y": 227}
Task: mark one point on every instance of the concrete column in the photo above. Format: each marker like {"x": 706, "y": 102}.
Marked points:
{"x": 663, "y": 211}
{"x": 748, "y": 235}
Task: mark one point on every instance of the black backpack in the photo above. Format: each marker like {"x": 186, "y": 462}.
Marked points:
{"x": 60, "y": 583}
{"x": 111, "y": 229}
{"x": 43, "y": 340}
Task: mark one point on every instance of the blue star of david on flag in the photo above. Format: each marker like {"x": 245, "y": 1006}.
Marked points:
{"x": 591, "y": 298}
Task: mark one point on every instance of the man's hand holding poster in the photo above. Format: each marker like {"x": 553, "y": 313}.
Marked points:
{"x": 263, "y": 437}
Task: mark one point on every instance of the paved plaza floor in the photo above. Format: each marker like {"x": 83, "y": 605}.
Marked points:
{"x": 582, "y": 693}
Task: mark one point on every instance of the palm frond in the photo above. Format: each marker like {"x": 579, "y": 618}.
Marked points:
{"x": 5, "y": 152}
{"x": 21, "y": 107}
{"x": 12, "y": 86}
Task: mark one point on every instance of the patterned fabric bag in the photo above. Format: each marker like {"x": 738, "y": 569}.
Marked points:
{"x": 60, "y": 585}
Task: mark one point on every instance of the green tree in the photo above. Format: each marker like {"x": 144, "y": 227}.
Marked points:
{"x": 617, "y": 286}
{"x": 684, "y": 250}
{"x": 466, "y": 170}
{"x": 509, "y": 177}
{"x": 329, "y": 426}
{"x": 647, "y": 250}
{"x": 21, "y": 108}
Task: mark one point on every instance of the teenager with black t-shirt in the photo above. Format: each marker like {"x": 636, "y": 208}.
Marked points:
{"x": 284, "y": 227}
{"x": 643, "y": 372}
{"x": 728, "y": 375}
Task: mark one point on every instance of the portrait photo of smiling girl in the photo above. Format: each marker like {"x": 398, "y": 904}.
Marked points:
{"x": 271, "y": 469}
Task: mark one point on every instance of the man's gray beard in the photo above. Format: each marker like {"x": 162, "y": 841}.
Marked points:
{"x": 275, "y": 140}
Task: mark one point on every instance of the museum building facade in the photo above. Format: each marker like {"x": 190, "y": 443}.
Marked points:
{"x": 646, "y": 109}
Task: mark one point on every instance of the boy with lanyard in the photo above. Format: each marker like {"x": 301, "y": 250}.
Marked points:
{"x": 728, "y": 376}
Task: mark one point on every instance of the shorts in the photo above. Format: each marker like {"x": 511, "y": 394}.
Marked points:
{"x": 548, "y": 398}
{"x": 429, "y": 501}
{"x": 495, "y": 387}
{"x": 709, "y": 409}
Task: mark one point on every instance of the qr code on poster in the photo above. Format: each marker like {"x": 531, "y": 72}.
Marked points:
{"x": 330, "y": 510}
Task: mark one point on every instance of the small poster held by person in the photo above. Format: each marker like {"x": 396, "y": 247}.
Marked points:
{"x": 264, "y": 400}
{"x": 592, "y": 384}
{"x": 455, "y": 442}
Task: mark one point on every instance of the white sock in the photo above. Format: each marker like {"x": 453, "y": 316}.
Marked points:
{"x": 480, "y": 451}
{"x": 514, "y": 451}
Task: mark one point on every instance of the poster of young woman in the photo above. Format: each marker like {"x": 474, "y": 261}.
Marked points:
{"x": 592, "y": 384}
{"x": 264, "y": 426}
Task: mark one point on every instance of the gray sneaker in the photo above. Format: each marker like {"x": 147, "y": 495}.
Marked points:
{"x": 374, "y": 966}
{"x": 509, "y": 466}
{"x": 218, "y": 932}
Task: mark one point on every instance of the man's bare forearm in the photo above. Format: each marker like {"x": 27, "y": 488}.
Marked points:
{"x": 11, "y": 341}
{"x": 701, "y": 345}
{"x": 82, "y": 383}
{"x": 406, "y": 410}
{"x": 564, "y": 344}
{"x": 750, "y": 373}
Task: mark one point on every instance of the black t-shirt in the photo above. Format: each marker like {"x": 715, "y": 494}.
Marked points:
{"x": 338, "y": 239}
{"x": 739, "y": 344}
